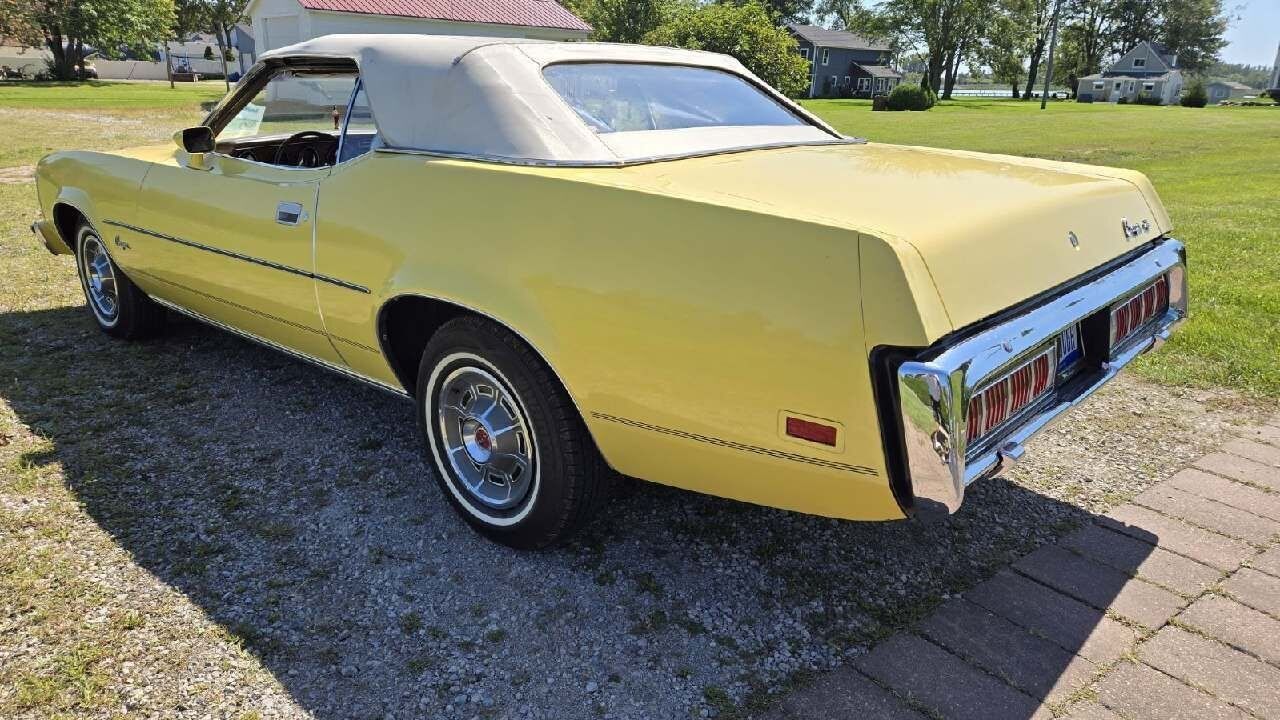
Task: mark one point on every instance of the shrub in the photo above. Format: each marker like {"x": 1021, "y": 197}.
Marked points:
{"x": 746, "y": 31}
{"x": 1146, "y": 99}
{"x": 1195, "y": 96}
{"x": 911, "y": 97}
{"x": 1122, "y": 101}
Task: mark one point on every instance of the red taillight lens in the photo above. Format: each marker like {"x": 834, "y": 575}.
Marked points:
{"x": 1137, "y": 311}
{"x": 1006, "y": 397}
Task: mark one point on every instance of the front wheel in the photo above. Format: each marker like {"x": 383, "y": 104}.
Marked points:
{"x": 510, "y": 451}
{"x": 118, "y": 306}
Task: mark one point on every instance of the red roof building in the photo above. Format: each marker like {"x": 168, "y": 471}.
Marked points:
{"x": 277, "y": 23}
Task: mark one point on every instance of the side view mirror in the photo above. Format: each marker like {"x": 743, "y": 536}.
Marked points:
{"x": 198, "y": 139}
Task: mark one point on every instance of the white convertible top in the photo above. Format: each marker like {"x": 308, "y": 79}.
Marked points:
{"x": 487, "y": 98}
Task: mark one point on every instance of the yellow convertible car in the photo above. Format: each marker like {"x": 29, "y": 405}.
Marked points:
{"x": 583, "y": 260}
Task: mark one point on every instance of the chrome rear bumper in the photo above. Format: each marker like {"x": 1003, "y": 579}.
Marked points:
{"x": 934, "y": 392}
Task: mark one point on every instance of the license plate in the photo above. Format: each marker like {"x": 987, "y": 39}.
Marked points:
{"x": 1069, "y": 352}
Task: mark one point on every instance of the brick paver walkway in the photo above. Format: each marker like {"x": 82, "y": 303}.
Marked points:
{"x": 1165, "y": 608}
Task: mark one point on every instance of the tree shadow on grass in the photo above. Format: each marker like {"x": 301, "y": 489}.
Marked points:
{"x": 295, "y": 509}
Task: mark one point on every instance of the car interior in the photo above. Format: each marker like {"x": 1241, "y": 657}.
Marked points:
{"x": 295, "y": 117}
{"x": 307, "y": 148}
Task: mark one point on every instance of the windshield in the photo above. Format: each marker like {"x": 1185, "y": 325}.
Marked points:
{"x": 628, "y": 97}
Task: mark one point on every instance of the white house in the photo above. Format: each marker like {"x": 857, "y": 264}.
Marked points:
{"x": 1147, "y": 71}
{"x": 277, "y": 23}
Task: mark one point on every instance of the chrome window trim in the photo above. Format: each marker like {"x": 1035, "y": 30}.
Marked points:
{"x": 346, "y": 120}
{"x": 536, "y": 162}
{"x": 937, "y": 462}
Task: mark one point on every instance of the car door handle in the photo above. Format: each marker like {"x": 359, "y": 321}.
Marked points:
{"x": 290, "y": 213}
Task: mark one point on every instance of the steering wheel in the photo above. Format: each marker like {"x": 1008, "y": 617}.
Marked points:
{"x": 298, "y": 137}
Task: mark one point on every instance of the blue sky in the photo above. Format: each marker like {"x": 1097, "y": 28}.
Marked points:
{"x": 1254, "y": 36}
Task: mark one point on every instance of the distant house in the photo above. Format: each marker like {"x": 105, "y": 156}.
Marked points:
{"x": 842, "y": 64}
{"x": 1148, "y": 70}
{"x": 1220, "y": 90}
{"x": 277, "y": 23}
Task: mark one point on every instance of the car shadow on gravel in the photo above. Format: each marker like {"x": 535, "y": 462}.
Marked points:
{"x": 295, "y": 509}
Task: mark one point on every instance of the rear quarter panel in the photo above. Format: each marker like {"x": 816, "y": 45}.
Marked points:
{"x": 681, "y": 329}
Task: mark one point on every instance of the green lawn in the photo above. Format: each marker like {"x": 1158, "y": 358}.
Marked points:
{"x": 107, "y": 95}
{"x": 1218, "y": 171}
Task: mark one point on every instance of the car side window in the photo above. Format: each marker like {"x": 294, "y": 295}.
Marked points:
{"x": 294, "y": 120}
{"x": 359, "y": 132}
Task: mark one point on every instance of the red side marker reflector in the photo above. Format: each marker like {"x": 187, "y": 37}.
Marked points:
{"x": 811, "y": 431}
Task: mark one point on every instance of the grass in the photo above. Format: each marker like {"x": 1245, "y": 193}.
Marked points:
{"x": 106, "y": 95}
{"x": 1218, "y": 171}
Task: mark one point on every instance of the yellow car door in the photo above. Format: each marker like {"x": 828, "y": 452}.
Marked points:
{"x": 235, "y": 245}
{"x": 230, "y": 233}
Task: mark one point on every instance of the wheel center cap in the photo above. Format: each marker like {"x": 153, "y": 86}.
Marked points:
{"x": 478, "y": 441}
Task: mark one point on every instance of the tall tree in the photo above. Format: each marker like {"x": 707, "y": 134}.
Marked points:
{"x": 1005, "y": 43}
{"x": 748, "y": 32}
{"x": 1132, "y": 21}
{"x": 1194, "y": 30}
{"x": 944, "y": 28}
{"x": 624, "y": 21}
{"x": 189, "y": 18}
{"x": 224, "y": 15}
{"x": 787, "y": 11}
{"x": 1043, "y": 15}
{"x": 67, "y": 27}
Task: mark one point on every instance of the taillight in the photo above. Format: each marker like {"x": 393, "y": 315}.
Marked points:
{"x": 1004, "y": 398}
{"x": 1131, "y": 315}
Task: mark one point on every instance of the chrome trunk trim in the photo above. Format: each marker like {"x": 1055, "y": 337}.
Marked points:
{"x": 934, "y": 391}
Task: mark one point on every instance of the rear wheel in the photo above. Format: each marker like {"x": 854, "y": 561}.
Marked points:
{"x": 117, "y": 305}
{"x": 510, "y": 451}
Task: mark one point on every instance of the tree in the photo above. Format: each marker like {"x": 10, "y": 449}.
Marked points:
{"x": 1193, "y": 30}
{"x": 625, "y": 21}
{"x": 948, "y": 30}
{"x": 189, "y": 17}
{"x": 747, "y": 32}
{"x": 1005, "y": 44}
{"x": 66, "y": 27}
{"x": 223, "y": 16}
{"x": 1133, "y": 21}
{"x": 1043, "y": 15}
{"x": 790, "y": 11}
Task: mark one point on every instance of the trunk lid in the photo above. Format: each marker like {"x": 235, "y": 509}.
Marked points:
{"x": 993, "y": 230}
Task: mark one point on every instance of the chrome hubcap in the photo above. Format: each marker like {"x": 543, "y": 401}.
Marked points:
{"x": 487, "y": 438}
{"x": 100, "y": 279}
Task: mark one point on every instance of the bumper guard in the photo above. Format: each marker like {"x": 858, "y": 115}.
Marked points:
{"x": 934, "y": 394}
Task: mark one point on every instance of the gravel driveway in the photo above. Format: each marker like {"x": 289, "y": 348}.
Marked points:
{"x": 198, "y": 527}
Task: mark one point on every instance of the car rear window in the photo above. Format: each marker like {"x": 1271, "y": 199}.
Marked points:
{"x": 630, "y": 97}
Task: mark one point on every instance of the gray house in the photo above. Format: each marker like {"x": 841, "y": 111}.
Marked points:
{"x": 1220, "y": 90}
{"x": 842, "y": 64}
{"x": 1148, "y": 70}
